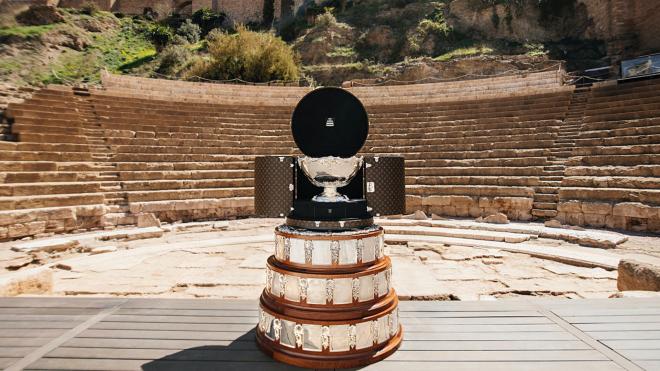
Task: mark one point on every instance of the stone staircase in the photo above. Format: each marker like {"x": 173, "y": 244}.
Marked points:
{"x": 116, "y": 199}
{"x": 546, "y": 194}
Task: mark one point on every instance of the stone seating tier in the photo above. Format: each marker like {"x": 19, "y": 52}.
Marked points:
{"x": 613, "y": 178}
{"x": 133, "y": 151}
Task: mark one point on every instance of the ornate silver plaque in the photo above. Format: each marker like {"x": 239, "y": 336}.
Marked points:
{"x": 339, "y": 341}
{"x": 325, "y": 337}
{"x": 302, "y": 283}
{"x": 355, "y": 286}
{"x": 329, "y": 290}
{"x": 312, "y": 338}
{"x": 309, "y": 249}
{"x": 298, "y": 333}
{"x": 287, "y": 337}
{"x": 352, "y": 336}
{"x": 343, "y": 293}
{"x": 334, "y": 252}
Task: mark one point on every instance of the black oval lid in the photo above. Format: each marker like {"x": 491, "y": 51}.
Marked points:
{"x": 330, "y": 122}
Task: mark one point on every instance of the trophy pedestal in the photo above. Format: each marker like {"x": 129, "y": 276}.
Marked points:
{"x": 328, "y": 301}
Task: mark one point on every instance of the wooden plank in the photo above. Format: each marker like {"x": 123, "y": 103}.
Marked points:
{"x": 6, "y": 362}
{"x": 632, "y": 344}
{"x": 637, "y": 326}
{"x": 14, "y": 325}
{"x": 42, "y": 317}
{"x": 640, "y": 354}
{"x": 14, "y": 351}
{"x": 494, "y": 345}
{"x": 159, "y": 365}
{"x": 65, "y": 336}
{"x": 209, "y": 304}
{"x": 182, "y": 319}
{"x": 650, "y": 365}
{"x": 32, "y": 333}
{"x": 248, "y": 326}
{"x": 238, "y": 343}
{"x": 460, "y": 336}
{"x": 143, "y": 334}
{"x": 188, "y": 312}
{"x": 605, "y": 351}
{"x": 202, "y": 354}
{"x": 476, "y": 321}
{"x": 49, "y": 311}
{"x": 248, "y": 343}
{"x": 480, "y": 314}
{"x": 61, "y": 302}
{"x": 505, "y": 355}
{"x": 405, "y": 320}
{"x": 612, "y": 319}
{"x": 388, "y": 365}
{"x": 23, "y": 342}
{"x": 625, "y": 335}
{"x": 591, "y": 312}
{"x": 473, "y": 306}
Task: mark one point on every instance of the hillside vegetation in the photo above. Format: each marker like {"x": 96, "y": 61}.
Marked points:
{"x": 371, "y": 40}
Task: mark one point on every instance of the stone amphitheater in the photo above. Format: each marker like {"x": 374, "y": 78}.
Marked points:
{"x": 143, "y": 186}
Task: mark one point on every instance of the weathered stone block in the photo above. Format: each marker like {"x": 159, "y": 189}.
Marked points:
{"x": 17, "y": 230}
{"x": 147, "y": 220}
{"x": 594, "y": 220}
{"x": 633, "y": 209}
{"x": 601, "y": 208}
{"x": 413, "y": 203}
{"x": 570, "y": 207}
{"x": 91, "y": 210}
{"x": 436, "y": 201}
{"x": 464, "y": 202}
{"x": 497, "y": 218}
{"x": 637, "y": 276}
{"x": 575, "y": 218}
{"x": 616, "y": 222}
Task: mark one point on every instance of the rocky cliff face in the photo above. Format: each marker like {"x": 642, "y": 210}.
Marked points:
{"x": 524, "y": 21}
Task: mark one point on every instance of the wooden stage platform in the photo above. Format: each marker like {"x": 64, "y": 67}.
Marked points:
{"x": 178, "y": 334}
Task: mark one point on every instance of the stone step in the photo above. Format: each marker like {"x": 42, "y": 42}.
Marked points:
{"x": 539, "y": 213}
{"x": 457, "y": 233}
{"x": 544, "y": 206}
{"x": 551, "y": 178}
{"x": 547, "y": 190}
{"x": 117, "y": 208}
{"x": 119, "y": 218}
{"x": 542, "y": 197}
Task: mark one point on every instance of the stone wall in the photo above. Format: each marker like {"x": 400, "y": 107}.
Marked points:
{"x": 182, "y": 91}
{"x": 515, "y": 208}
{"x": 646, "y": 18}
{"x": 630, "y": 216}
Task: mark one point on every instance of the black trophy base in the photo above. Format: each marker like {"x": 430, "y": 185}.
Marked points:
{"x": 329, "y": 225}
{"x": 330, "y": 215}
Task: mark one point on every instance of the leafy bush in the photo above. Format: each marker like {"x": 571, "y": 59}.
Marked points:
{"x": 207, "y": 19}
{"x": 173, "y": 58}
{"x": 190, "y": 31}
{"x": 89, "y": 8}
{"x": 247, "y": 55}
{"x": 160, "y": 35}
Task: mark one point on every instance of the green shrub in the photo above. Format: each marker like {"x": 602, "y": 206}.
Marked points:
{"x": 173, "y": 58}
{"x": 89, "y": 8}
{"x": 160, "y": 35}
{"x": 189, "y": 31}
{"x": 207, "y": 20}
{"x": 247, "y": 55}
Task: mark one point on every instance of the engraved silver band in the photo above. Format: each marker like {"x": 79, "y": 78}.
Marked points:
{"x": 328, "y": 338}
{"x": 299, "y": 288}
{"x": 301, "y": 250}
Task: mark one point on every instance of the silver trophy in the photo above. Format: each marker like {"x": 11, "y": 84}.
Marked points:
{"x": 330, "y": 173}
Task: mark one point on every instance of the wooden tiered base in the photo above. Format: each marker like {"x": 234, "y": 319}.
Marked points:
{"x": 328, "y": 301}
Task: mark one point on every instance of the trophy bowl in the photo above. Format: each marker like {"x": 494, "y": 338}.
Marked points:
{"x": 330, "y": 173}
